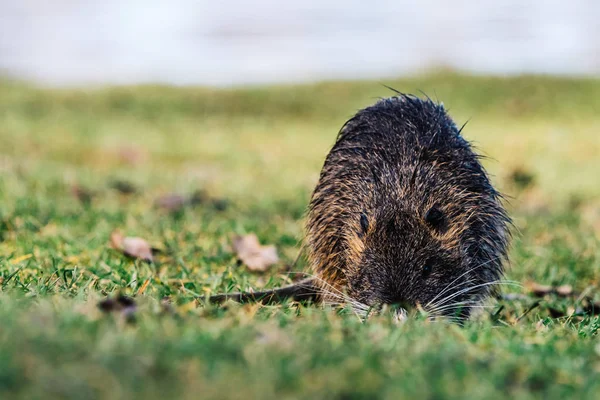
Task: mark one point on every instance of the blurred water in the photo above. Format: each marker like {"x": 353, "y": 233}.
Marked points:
{"x": 241, "y": 41}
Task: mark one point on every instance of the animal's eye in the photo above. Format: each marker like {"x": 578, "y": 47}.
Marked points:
{"x": 435, "y": 218}
{"x": 427, "y": 268}
{"x": 364, "y": 223}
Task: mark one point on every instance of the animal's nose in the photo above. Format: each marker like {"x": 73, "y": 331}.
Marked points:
{"x": 400, "y": 315}
{"x": 400, "y": 302}
{"x": 399, "y": 307}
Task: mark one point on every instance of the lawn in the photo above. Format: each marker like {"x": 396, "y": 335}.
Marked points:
{"x": 77, "y": 164}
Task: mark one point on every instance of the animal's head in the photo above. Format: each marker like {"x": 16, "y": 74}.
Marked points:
{"x": 413, "y": 259}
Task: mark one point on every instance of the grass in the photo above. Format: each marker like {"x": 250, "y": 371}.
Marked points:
{"x": 259, "y": 151}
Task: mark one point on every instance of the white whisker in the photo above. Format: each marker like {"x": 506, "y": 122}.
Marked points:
{"x": 460, "y": 276}
{"x": 471, "y": 288}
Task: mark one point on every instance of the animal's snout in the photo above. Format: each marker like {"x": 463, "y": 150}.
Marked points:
{"x": 400, "y": 315}
{"x": 397, "y": 300}
{"x": 401, "y": 304}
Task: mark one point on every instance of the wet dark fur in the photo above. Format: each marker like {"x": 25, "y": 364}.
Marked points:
{"x": 402, "y": 209}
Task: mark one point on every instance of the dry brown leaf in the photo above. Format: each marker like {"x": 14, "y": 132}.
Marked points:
{"x": 538, "y": 289}
{"x": 82, "y": 194}
{"x": 255, "y": 256}
{"x": 171, "y": 202}
{"x": 131, "y": 246}
{"x": 123, "y": 187}
{"x": 125, "y": 305}
{"x": 564, "y": 290}
{"x": 199, "y": 197}
{"x": 521, "y": 178}
{"x": 542, "y": 290}
{"x": 176, "y": 202}
{"x": 116, "y": 303}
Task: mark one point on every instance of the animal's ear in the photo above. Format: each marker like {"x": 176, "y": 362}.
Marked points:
{"x": 435, "y": 218}
{"x": 364, "y": 223}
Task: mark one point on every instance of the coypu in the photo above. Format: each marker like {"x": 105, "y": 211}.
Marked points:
{"x": 403, "y": 213}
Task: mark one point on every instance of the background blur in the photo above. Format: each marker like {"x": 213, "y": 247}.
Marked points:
{"x": 246, "y": 42}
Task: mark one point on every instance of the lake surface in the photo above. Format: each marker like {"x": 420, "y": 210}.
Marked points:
{"x": 233, "y": 42}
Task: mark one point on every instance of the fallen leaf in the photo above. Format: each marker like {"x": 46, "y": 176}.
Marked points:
{"x": 521, "y": 178}
{"x": 198, "y": 197}
{"x": 171, "y": 202}
{"x": 202, "y": 197}
{"x": 117, "y": 303}
{"x": 220, "y": 204}
{"x": 82, "y": 194}
{"x": 542, "y": 290}
{"x": 564, "y": 290}
{"x": 538, "y": 289}
{"x": 175, "y": 202}
{"x": 123, "y": 187}
{"x": 134, "y": 247}
{"x": 123, "y": 304}
{"x": 255, "y": 256}
{"x": 108, "y": 305}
